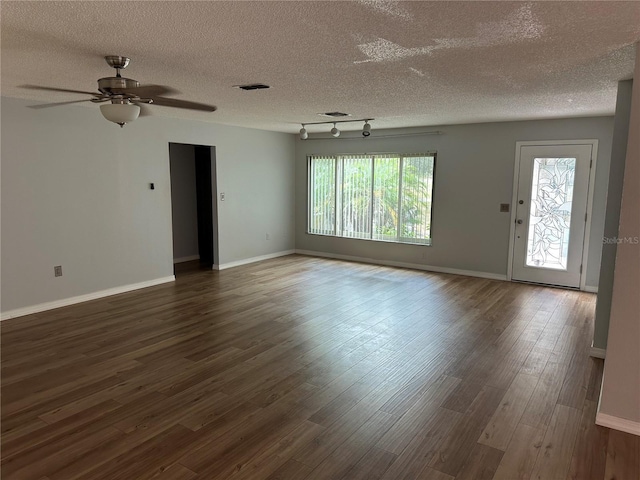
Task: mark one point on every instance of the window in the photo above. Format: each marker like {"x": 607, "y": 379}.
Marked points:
{"x": 377, "y": 197}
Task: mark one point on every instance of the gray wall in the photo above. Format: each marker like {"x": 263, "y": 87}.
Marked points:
{"x": 620, "y": 397}
{"x": 614, "y": 197}
{"x": 75, "y": 192}
{"x": 474, "y": 174}
{"x": 184, "y": 206}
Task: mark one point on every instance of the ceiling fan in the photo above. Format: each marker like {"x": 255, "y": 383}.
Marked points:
{"x": 127, "y": 98}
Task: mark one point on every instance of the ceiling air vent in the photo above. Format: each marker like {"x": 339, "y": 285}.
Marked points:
{"x": 334, "y": 114}
{"x": 252, "y": 86}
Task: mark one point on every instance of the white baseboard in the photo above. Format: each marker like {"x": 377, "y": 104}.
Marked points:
{"x": 245, "y": 261}
{"x": 20, "y": 312}
{"x": 415, "y": 266}
{"x": 617, "y": 423}
{"x": 590, "y": 289}
{"x": 597, "y": 352}
{"x": 186, "y": 259}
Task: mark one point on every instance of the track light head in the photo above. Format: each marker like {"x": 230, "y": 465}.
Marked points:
{"x": 303, "y": 133}
{"x": 334, "y": 131}
{"x": 366, "y": 129}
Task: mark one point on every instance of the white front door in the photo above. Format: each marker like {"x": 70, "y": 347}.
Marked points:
{"x": 551, "y": 213}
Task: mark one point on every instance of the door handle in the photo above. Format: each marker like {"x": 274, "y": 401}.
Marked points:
{"x": 519, "y": 222}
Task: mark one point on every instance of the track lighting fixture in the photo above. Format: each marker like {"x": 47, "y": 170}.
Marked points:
{"x": 366, "y": 129}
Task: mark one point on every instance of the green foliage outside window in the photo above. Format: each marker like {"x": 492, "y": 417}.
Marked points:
{"x": 379, "y": 197}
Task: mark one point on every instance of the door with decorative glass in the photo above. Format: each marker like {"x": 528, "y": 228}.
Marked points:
{"x": 551, "y": 213}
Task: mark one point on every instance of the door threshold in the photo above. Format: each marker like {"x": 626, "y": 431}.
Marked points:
{"x": 564, "y": 287}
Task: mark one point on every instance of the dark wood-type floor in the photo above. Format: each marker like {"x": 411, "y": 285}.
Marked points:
{"x": 302, "y": 368}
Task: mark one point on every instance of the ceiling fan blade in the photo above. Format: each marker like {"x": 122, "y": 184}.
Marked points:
{"x": 146, "y": 91}
{"x": 57, "y": 104}
{"x": 174, "y": 102}
{"x": 54, "y": 89}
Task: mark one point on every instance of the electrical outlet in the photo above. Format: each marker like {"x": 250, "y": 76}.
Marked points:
{"x": 57, "y": 271}
{"x": 222, "y": 196}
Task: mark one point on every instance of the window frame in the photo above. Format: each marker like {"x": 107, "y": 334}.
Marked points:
{"x": 339, "y": 187}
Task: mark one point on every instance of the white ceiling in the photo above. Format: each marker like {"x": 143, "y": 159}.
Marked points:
{"x": 403, "y": 63}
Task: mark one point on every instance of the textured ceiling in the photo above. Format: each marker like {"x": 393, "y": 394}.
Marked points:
{"x": 403, "y": 63}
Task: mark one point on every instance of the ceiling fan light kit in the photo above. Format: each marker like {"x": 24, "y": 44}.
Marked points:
{"x": 120, "y": 113}
{"x": 126, "y": 96}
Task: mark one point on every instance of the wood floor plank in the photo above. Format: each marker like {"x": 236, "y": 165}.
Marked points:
{"x": 576, "y": 381}
{"x": 545, "y": 395}
{"x": 111, "y": 449}
{"x": 53, "y": 456}
{"x": 590, "y": 453}
{"x": 498, "y": 432}
{"x": 595, "y": 380}
{"x": 452, "y": 455}
{"x": 554, "y": 459}
{"x": 481, "y": 464}
{"x": 335, "y": 435}
{"x": 30, "y": 406}
{"x": 415, "y": 457}
{"x": 343, "y": 402}
{"x": 176, "y": 472}
{"x": 413, "y": 421}
{"x": 240, "y": 444}
{"x": 359, "y": 371}
{"x": 462, "y": 396}
{"x": 623, "y": 456}
{"x": 508, "y": 367}
{"x": 522, "y": 452}
{"x": 347, "y": 455}
{"x": 414, "y": 390}
{"x": 214, "y": 371}
{"x": 20, "y": 432}
{"x": 291, "y": 470}
{"x": 428, "y": 473}
{"x": 372, "y": 466}
{"x": 275, "y": 456}
{"x": 536, "y": 361}
{"x": 51, "y": 432}
{"x": 144, "y": 462}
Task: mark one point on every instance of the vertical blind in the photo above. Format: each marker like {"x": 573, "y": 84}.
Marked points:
{"x": 384, "y": 197}
{"x": 322, "y": 196}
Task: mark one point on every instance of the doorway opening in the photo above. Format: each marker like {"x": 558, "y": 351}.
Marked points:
{"x": 194, "y": 216}
{"x": 551, "y": 218}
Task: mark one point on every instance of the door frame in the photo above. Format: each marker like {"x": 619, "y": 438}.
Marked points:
{"x": 514, "y": 199}
{"x": 214, "y": 196}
